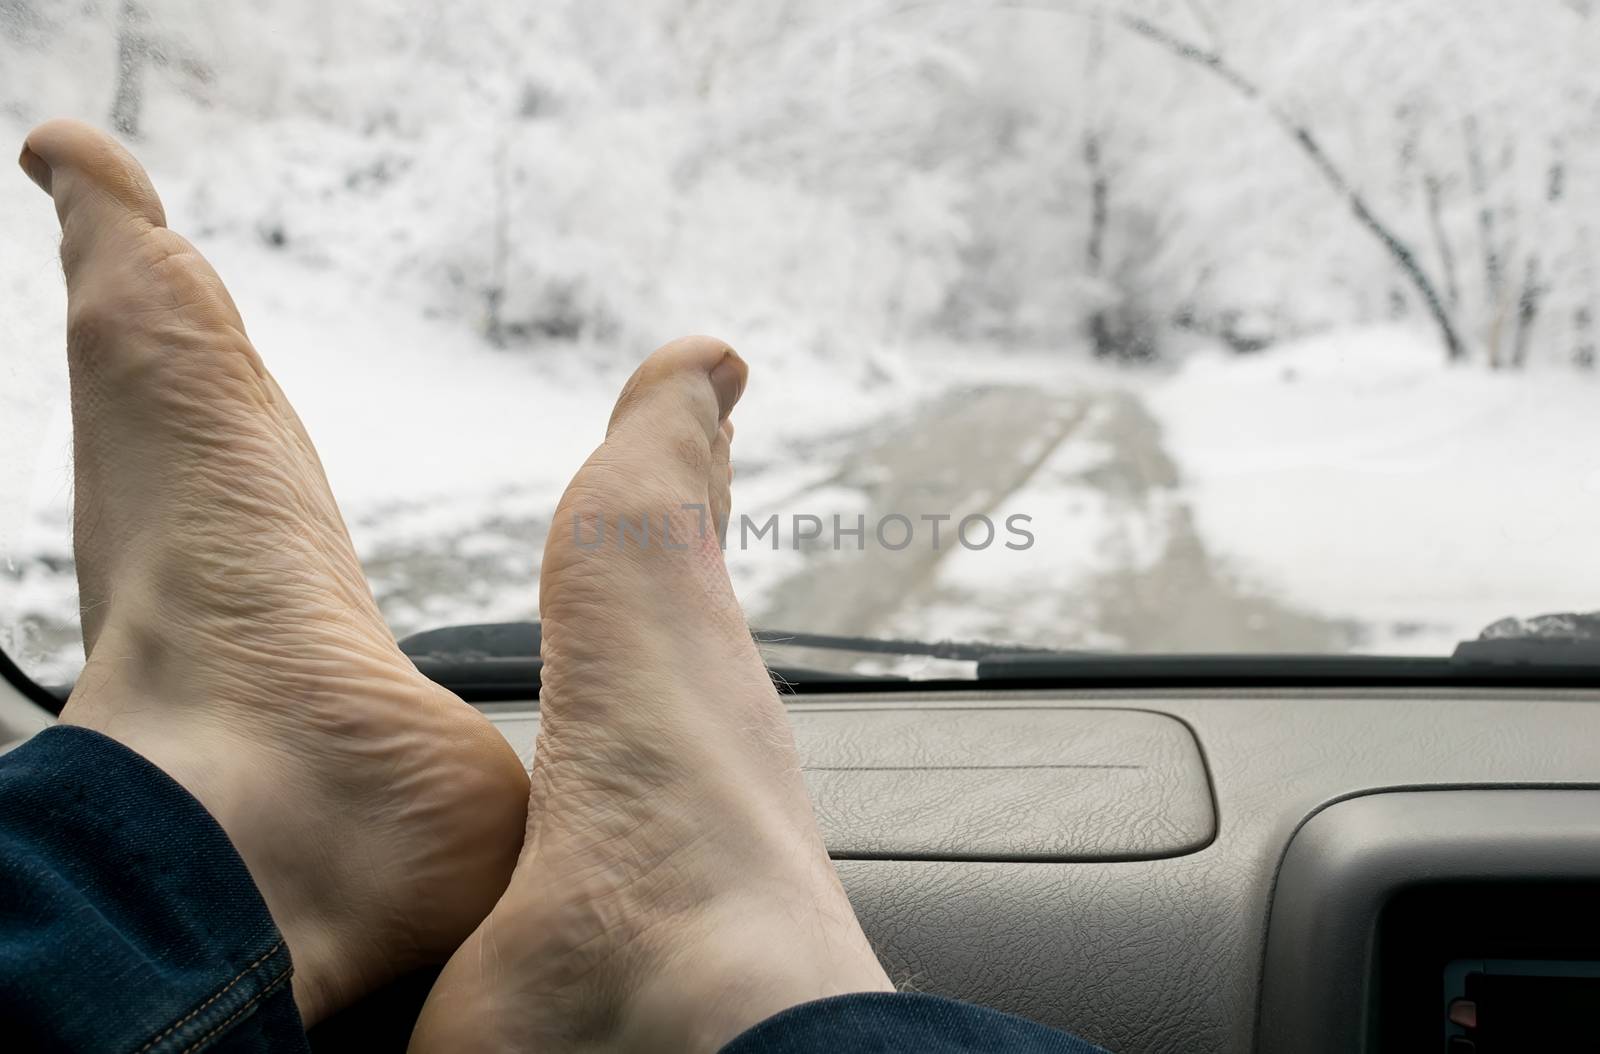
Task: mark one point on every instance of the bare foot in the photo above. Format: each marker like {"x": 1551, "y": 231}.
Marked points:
{"x": 231, "y": 636}
{"x": 673, "y": 889}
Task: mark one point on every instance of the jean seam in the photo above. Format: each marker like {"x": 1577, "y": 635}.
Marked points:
{"x": 218, "y": 994}
{"x": 272, "y": 986}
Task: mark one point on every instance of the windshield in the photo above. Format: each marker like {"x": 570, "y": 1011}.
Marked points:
{"x": 1216, "y": 326}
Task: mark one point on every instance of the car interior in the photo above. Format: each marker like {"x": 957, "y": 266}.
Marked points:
{"x": 1291, "y": 862}
{"x": 1247, "y": 353}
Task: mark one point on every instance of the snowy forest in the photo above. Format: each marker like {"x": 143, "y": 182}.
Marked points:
{"x": 1101, "y": 174}
{"x": 1279, "y": 319}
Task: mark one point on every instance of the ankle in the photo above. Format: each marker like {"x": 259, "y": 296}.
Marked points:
{"x": 753, "y": 962}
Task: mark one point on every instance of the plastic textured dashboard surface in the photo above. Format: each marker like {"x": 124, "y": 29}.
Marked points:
{"x": 1352, "y": 858}
{"x": 1167, "y": 954}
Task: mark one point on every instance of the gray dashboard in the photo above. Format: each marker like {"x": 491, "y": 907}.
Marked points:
{"x": 1129, "y": 900}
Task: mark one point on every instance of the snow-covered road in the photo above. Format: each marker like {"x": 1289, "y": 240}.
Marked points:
{"x": 1117, "y": 565}
{"x": 1114, "y": 558}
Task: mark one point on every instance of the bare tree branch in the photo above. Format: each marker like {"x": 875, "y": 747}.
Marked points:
{"x": 1207, "y": 23}
{"x": 1433, "y": 187}
{"x": 1527, "y": 312}
{"x": 1402, "y": 254}
{"x": 1211, "y": 60}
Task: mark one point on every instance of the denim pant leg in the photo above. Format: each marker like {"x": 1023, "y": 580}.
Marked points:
{"x": 893, "y": 1023}
{"x": 127, "y": 919}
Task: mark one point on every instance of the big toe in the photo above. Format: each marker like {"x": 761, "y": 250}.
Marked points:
{"x": 89, "y": 175}
{"x": 670, "y": 425}
{"x": 658, "y": 487}
{"x": 128, "y": 275}
{"x": 126, "y": 272}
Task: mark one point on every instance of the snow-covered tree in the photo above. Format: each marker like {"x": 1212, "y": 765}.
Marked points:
{"x": 1096, "y": 175}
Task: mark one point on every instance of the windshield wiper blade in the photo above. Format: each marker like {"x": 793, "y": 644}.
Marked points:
{"x": 500, "y": 661}
{"x": 1091, "y": 669}
{"x": 1555, "y": 650}
{"x": 1472, "y": 668}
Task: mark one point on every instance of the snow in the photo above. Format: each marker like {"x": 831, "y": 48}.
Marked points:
{"x": 1357, "y": 475}
{"x": 453, "y": 232}
{"x": 1353, "y": 478}
{"x": 425, "y": 431}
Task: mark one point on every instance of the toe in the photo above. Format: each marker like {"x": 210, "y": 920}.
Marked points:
{"x": 99, "y": 189}
{"x": 88, "y": 172}
{"x": 124, "y": 268}
{"x": 689, "y": 385}
{"x": 667, "y": 445}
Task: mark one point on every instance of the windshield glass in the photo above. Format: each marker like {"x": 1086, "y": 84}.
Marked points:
{"x": 1243, "y": 326}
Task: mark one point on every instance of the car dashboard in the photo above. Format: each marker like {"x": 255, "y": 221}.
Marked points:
{"x": 1221, "y": 870}
{"x": 1212, "y": 870}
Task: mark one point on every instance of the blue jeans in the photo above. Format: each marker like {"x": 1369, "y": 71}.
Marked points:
{"x": 129, "y": 923}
